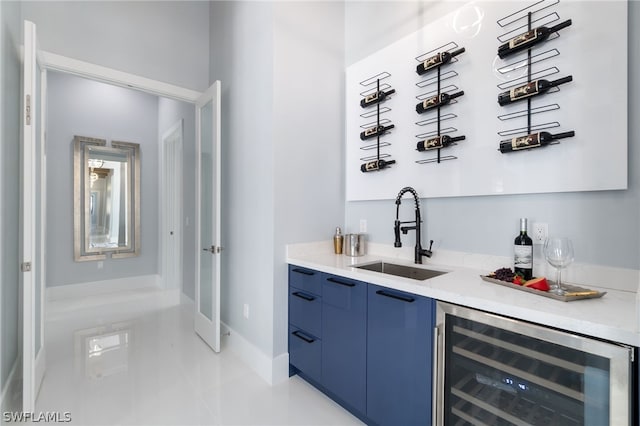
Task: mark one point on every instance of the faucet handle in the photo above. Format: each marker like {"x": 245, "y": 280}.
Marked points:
{"x": 396, "y": 229}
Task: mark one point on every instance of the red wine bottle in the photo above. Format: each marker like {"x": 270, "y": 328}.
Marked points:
{"x": 523, "y": 252}
{"x": 526, "y": 40}
{"x": 374, "y": 131}
{"x": 437, "y": 60}
{"x": 374, "y": 165}
{"x": 534, "y": 88}
{"x": 375, "y": 98}
{"x": 534, "y": 140}
{"x": 436, "y": 101}
{"x": 438, "y": 142}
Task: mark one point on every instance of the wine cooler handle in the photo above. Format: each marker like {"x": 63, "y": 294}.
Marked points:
{"x": 340, "y": 282}
{"x": 437, "y": 407}
{"x": 302, "y": 271}
{"x": 395, "y": 296}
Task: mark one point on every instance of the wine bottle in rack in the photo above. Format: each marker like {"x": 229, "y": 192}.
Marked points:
{"x": 376, "y": 97}
{"x": 437, "y": 60}
{"x": 436, "y": 142}
{"x": 375, "y": 165}
{"x": 533, "y": 140}
{"x": 374, "y": 131}
{"x": 436, "y": 101}
{"x": 534, "y": 88}
{"x": 526, "y": 40}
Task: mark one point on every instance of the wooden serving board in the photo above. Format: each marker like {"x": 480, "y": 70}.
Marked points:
{"x": 583, "y": 293}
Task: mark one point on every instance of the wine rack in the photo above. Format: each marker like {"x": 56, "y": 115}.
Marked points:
{"x": 376, "y": 84}
{"x": 436, "y": 83}
{"x": 541, "y": 56}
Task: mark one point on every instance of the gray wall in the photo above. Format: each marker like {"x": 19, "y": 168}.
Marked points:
{"x": 169, "y": 112}
{"x": 77, "y": 106}
{"x": 604, "y": 226}
{"x": 166, "y": 41}
{"x": 10, "y": 81}
{"x": 281, "y": 73}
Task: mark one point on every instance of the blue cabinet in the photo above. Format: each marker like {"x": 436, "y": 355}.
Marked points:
{"x": 344, "y": 326}
{"x": 369, "y": 348}
{"x": 399, "y": 357}
{"x": 305, "y": 326}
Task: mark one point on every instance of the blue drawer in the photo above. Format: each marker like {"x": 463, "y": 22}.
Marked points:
{"x": 305, "y": 311}
{"x": 305, "y": 279}
{"x": 305, "y": 353}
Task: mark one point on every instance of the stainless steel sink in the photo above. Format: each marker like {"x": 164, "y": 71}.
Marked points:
{"x": 401, "y": 270}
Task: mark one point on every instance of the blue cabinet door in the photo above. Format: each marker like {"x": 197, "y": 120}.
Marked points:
{"x": 344, "y": 342}
{"x": 400, "y": 357}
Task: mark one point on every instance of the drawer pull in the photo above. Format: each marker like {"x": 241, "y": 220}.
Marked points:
{"x": 395, "y": 296}
{"x": 303, "y": 271}
{"x": 303, "y": 337}
{"x": 340, "y": 282}
{"x": 304, "y": 296}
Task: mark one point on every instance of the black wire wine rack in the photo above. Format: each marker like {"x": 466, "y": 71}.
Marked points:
{"x": 524, "y": 28}
{"x": 377, "y": 90}
{"x": 434, "y": 84}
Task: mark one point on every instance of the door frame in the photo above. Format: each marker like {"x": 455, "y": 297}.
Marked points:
{"x": 172, "y": 201}
{"x": 51, "y": 61}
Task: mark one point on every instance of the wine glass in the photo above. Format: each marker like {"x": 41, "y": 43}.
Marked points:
{"x": 559, "y": 253}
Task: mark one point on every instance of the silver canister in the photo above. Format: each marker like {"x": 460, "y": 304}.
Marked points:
{"x": 354, "y": 245}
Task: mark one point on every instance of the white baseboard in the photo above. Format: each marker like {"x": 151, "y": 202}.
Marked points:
{"x": 272, "y": 370}
{"x": 102, "y": 287}
{"x": 11, "y": 397}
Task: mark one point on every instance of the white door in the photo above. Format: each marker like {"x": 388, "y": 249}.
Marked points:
{"x": 171, "y": 184}
{"x": 207, "y": 316}
{"x": 32, "y": 229}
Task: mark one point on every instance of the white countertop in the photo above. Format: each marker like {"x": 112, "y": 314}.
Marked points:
{"x": 614, "y": 317}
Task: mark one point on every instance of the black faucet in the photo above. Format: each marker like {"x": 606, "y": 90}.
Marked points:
{"x": 419, "y": 251}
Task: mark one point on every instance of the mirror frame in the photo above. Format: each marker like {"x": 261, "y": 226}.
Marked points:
{"x": 81, "y": 206}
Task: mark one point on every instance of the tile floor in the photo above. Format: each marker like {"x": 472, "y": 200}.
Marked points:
{"x": 132, "y": 358}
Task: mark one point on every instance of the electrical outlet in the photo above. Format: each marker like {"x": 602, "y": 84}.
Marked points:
{"x": 245, "y": 310}
{"x": 540, "y": 233}
{"x": 100, "y": 264}
{"x": 363, "y": 225}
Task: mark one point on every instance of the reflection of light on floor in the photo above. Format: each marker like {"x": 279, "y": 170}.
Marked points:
{"x": 103, "y": 351}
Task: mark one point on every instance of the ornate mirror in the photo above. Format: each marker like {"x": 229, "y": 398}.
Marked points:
{"x": 106, "y": 184}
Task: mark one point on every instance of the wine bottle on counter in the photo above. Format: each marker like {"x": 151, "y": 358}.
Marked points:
{"x": 533, "y": 140}
{"x": 375, "y": 98}
{"x": 375, "y": 165}
{"x": 526, "y": 40}
{"x": 374, "y": 131}
{"x": 436, "y": 142}
{"x": 436, "y": 101}
{"x": 437, "y": 60}
{"x": 523, "y": 252}
{"x": 534, "y": 88}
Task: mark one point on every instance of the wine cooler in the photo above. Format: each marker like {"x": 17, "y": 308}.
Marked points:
{"x": 493, "y": 370}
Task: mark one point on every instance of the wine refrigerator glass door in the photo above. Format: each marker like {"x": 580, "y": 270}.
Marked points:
{"x": 499, "y": 371}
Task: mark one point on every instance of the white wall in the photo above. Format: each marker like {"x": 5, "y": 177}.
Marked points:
{"x": 169, "y": 112}
{"x": 603, "y": 225}
{"x": 163, "y": 40}
{"x": 281, "y": 73}
{"x": 82, "y": 107}
{"x": 241, "y": 58}
{"x": 10, "y": 81}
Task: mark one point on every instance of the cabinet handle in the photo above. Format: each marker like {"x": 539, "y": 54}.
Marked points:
{"x": 344, "y": 283}
{"x": 395, "y": 296}
{"x": 304, "y": 296}
{"x": 435, "y": 389}
{"x": 303, "y": 337}
{"x": 302, "y": 271}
